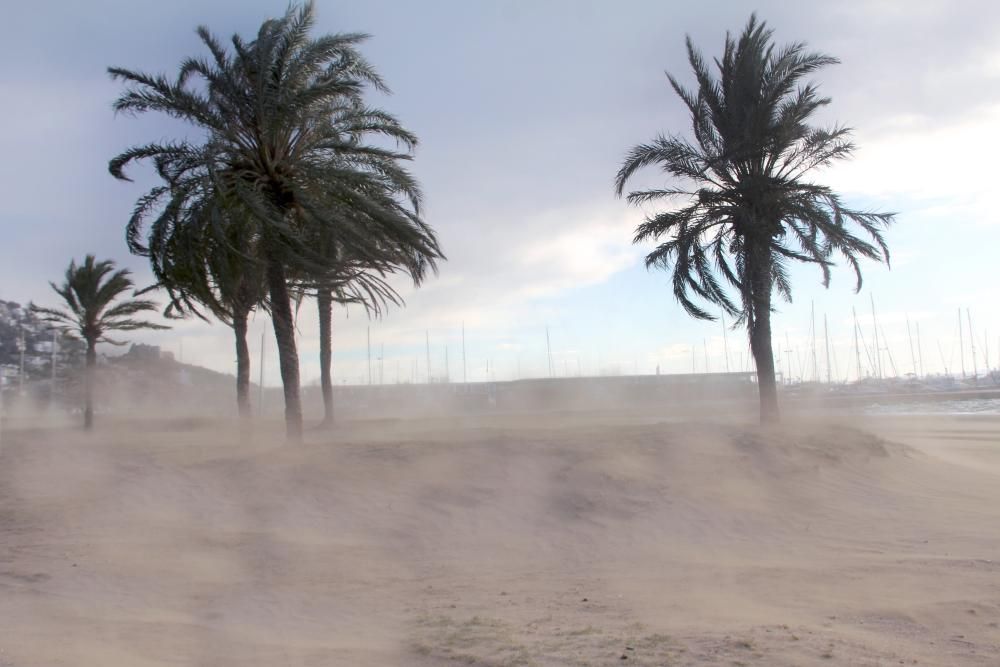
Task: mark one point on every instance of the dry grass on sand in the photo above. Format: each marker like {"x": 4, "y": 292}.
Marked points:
{"x": 559, "y": 540}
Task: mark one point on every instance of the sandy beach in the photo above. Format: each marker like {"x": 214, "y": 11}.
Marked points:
{"x": 503, "y": 540}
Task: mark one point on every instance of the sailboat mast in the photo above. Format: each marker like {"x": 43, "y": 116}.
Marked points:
{"x": 986, "y": 341}
{"x": 788, "y": 354}
{"x": 972, "y": 341}
{"x": 725, "y": 340}
{"x": 548, "y": 348}
{"x": 815, "y": 368}
{"x": 878, "y": 352}
{"x": 943, "y": 362}
{"x": 857, "y": 348}
{"x": 961, "y": 343}
{"x": 920, "y": 350}
{"x": 826, "y": 337}
{"x": 913, "y": 356}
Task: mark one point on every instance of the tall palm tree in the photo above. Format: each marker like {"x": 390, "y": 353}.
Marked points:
{"x": 90, "y": 291}
{"x": 748, "y": 206}
{"x": 288, "y": 138}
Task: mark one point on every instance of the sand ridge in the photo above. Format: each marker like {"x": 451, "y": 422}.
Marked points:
{"x": 550, "y": 540}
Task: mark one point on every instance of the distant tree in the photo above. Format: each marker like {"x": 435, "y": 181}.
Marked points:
{"x": 90, "y": 292}
{"x": 747, "y": 207}
{"x": 289, "y": 139}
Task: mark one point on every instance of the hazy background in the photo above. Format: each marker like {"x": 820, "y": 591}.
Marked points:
{"x": 524, "y": 111}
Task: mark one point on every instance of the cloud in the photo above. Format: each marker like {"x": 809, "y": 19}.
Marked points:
{"x": 490, "y": 289}
{"x": 945, "y": 167}
{"x": 594, "y": 249}
{"x": 517, "y": 156}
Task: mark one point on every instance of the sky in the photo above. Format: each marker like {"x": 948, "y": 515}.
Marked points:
{"x": 524, "y": 112}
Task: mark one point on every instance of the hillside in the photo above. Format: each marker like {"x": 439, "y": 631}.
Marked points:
{"x": 140, "y": 379}
{"x": 20, "y": 331}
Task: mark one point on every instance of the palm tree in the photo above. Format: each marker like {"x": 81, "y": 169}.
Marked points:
{"x": 286, "y": 140}
{"x": 226, "y": 279}
{"x": 365, "y": 286}
{"x": 361, "y": 282}
{"x": 90, "y": 292}
{"x": 345, "y": 294}
{"x": 748, "y": 207}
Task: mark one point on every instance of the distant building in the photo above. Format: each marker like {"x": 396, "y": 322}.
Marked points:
{"x": 141, "y": 352}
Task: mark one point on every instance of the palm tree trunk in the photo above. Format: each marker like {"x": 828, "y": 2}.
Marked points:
{"x": 288, "y": 356}
{"x": 325, "y": 302}
{"x": 760, "y": 341}
{"x": 760, "y": 344}
{"x": 88, "y": 385}
{"x": 242, "y": 364}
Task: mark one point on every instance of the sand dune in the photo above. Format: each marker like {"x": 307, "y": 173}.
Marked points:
{"x": 554, "y": 540}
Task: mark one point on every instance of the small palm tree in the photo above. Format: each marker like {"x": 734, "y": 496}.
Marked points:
{"x": 363, "y": 282}
{"x": 90, "y": 292}
{"x": 748, "y": 205}
{"x": 354, "y": 285}
{"x": 201, "y": 274}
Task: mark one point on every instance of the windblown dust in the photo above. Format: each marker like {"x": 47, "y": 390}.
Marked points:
{"x": 550, "y": 540}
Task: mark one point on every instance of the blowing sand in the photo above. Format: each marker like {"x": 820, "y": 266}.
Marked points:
{"x": 558, "y": 540}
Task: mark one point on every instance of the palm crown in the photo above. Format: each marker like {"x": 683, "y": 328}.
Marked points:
{"x": 288, "y": 140}
{"x": 748, "y": 206}
{"x": 90, "y": 291}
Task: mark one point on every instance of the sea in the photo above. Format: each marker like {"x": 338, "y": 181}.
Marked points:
{"x": 962, "y": 406}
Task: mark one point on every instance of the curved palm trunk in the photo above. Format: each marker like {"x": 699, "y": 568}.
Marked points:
{"x": 288, "y": 356}
{"x": 88, "y": 385}
{"x": 325, "y": 302}
{"x": 760, "y": 342}
{"x": 242, "y": 364}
